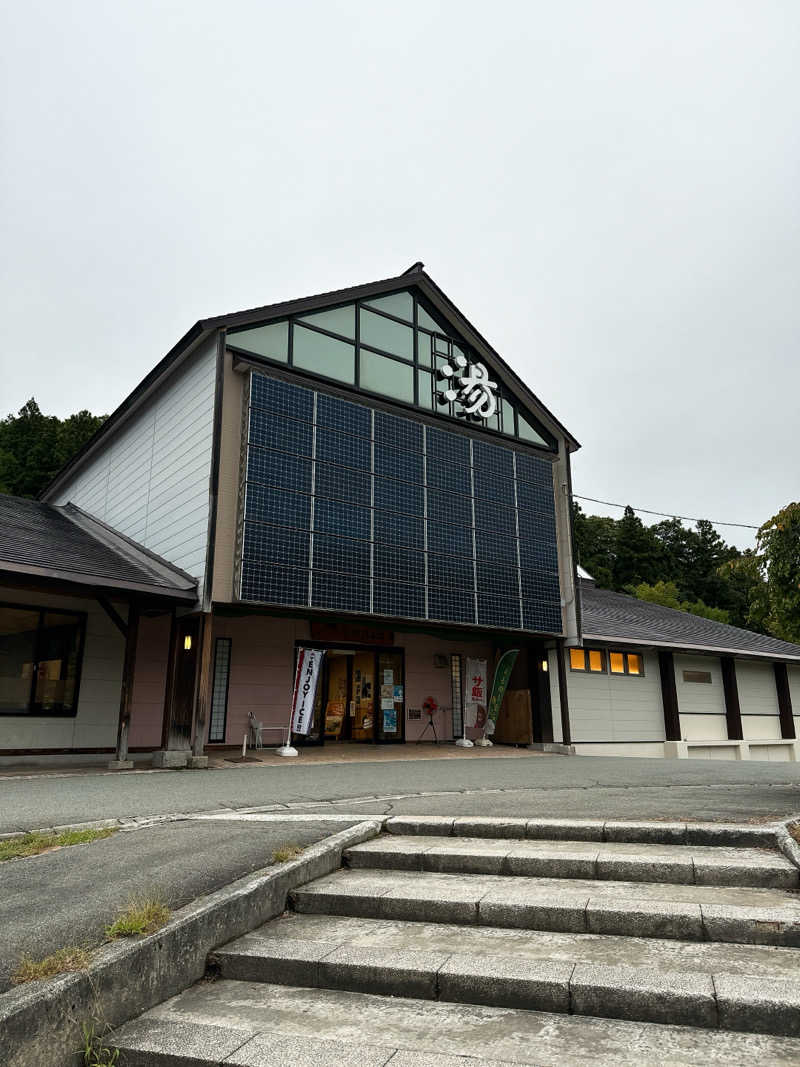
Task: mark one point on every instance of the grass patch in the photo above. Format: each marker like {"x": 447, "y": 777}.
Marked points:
{"x": 66, "y": 959}
{"x": 143, "y": 915}
{"x": 35, "y": 842}
{"x": 284, "y": 853}
{"x": 95, "y": 1053}
{"x": 794, "y": 830}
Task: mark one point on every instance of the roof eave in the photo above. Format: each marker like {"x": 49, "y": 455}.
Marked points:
{"x": 717, "y": 650}
{"x": 91, "y": 581}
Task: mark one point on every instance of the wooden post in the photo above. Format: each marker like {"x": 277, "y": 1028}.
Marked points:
{"x": 733, "y": 712}
{"x": 566, "y": 733}
{"x": 788, "y": 732}
{"x": 205, "y": 681}
{"x": 669, "y": 696}
{"x": 126, "y": 692}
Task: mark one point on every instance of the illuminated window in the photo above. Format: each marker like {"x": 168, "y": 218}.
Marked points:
{"x": 625, "y": 663}
{"x": 595, "y": 660}
{"x": 577, "y": 659}
{"x": 587, "y": 659}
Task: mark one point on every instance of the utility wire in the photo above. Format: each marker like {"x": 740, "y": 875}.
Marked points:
{"x": 666, "y": 514}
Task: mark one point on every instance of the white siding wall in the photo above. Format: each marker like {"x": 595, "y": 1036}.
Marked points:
{"x": 151, "y": 478}
{"x": 614, "y": 707}
{"x": 701, "y": 706}
{"x": 95, "y": 725}
{"x": 758, "y": 701}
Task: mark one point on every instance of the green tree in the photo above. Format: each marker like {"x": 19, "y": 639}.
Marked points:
{"x": 778, "y": 542}
{"x": 668, "y": 595}
{"x": 595, "y": 545}
{"x": 34, "y": 446}
{"x": 637, "y": 552}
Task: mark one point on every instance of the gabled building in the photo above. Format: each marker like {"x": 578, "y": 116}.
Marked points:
{"x": 360, "y": 472}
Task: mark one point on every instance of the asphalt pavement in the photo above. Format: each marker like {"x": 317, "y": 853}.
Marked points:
{"x": 69, "y": 896}
{"x": 580, "y": 786}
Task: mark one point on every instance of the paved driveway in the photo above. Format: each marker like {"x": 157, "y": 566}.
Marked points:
{"x": 539, "y": 785}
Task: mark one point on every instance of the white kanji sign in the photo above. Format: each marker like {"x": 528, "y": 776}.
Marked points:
{"x": 469, "y": 384}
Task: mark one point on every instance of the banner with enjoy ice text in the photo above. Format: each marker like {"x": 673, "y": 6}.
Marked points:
{"x": 309, "y": 661}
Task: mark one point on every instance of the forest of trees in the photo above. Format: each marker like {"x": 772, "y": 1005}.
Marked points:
{"x": 691, "y": 569}
{"x": 696, "y": 570}
{"x": 34, "y": 447}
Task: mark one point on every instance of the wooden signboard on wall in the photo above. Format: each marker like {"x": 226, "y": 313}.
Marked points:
{"x": 350, "y": 633}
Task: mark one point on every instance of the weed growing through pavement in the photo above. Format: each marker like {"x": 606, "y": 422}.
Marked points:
{"x": 143, "y": 915}
{"x": 35, "y": 842}
{"x": 286, "y": 852}
{"x": 94, "y": 1052}
{"x": 66, "y": 959}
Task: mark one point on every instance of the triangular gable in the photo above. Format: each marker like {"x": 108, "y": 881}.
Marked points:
{"x": 402, "y": 339}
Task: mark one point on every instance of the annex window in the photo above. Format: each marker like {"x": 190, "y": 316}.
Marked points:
{"x": 625, "y": 663}
{"x": 697, "y": 676}
{"x": 40, "y": 659}
{"x": 219, "y": 691}
{"x": 592, "y": 660}
{"x": 456, "y": 694}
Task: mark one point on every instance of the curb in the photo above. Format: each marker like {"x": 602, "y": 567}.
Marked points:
{"x": 40, "y": 1022}
{"x": 786, "y": 843}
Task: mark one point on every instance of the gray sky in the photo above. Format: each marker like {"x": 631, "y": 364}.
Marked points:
{"x": 609, "y": 190}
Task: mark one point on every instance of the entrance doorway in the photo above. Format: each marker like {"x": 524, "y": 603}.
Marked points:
{"x": 178, "y": 727}
{"x": 361, "y": 697}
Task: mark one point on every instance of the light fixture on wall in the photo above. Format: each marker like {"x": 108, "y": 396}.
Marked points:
{"x": 544, "y": 665}
{"x": 187, "y": 643}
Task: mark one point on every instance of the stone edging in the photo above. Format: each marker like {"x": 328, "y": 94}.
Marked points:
{"x": 41, "y": 1022}
{"x": 786, "y": 843}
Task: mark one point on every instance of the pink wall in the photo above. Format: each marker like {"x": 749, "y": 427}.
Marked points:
{"x": 149, "y": 681}
{"x": 423, "y": 679}
{"x": 262, "y": 662}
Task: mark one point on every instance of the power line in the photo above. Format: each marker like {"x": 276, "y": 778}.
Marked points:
{"x": 666, "y": 514}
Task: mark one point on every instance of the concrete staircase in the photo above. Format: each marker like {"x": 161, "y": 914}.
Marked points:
{"x": 451, "y": 942}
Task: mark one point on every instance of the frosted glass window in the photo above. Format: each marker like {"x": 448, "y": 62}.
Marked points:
{"x": 616, "y": 662}
{"x": 424, "y": 349}
{"x": 595, "y": 660}
{"x": 424, "y": 319}
{"x": 508, "y": 416}
{"x": 387, "y": 376}
{"x": 634, "y": 663}
{"x": 340, "y": 320}
{"x": 426, "y": 393}
{"x": 399, "y": 304}
{"x": 324, "y": 355}
{"x": 271, "y": 341}
{"x": 577, "y": 659}
{"x": 527, "y": 432}
{"x": 383, "y": 333}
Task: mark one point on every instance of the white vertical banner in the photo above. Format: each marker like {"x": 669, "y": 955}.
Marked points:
{"x": 475, "y": 693}
{"x": 309, "y": 661}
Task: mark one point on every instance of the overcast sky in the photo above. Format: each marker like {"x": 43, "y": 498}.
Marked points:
{"x": 608, "y": 190}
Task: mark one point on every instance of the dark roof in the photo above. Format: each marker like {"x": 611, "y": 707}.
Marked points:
{"x": 615, "y": 616}
{"x": 414, "y": 276}
{"x": 65, "y": 544}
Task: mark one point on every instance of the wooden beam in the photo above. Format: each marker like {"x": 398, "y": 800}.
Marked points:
{"x": 113, "y": 614}
{"x": 788, "y": 732}
{"x": 733, "y": 712}
{"x": 126, "y": 691}
{"x": 566, "y": 733}
{"x": 669, "y": 696}
{"x": 202, "y": 707}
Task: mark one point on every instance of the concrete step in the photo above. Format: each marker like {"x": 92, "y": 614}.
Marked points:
{"x": 251, "y": 1024}
{"x": 570, "y": 905}
{"x": 551, "y": 829}
{"x": 683, "y": 864}
{"x": 738, "y": 987}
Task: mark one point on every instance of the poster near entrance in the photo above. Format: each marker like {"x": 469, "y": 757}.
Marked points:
{"x": 475, "y": 705}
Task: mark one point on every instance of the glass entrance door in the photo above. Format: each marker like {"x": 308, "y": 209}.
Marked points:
{"x": 361, "y": 697}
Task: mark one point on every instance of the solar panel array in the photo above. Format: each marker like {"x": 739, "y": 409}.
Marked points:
{"x": 353, "y": 509}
